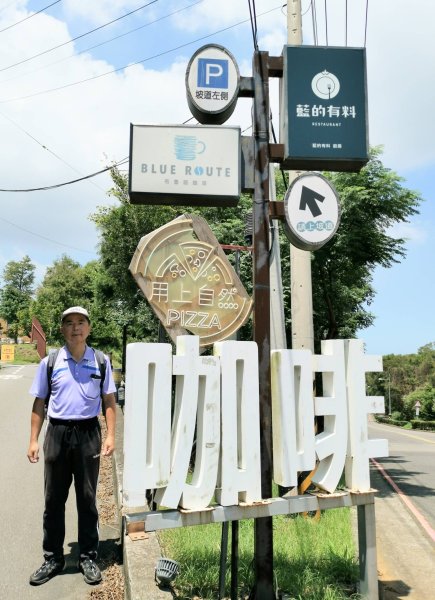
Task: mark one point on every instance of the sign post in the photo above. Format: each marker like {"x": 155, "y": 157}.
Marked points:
{"x": 263, "y": 527}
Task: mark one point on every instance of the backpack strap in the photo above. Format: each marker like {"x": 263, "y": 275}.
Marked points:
{"x": 101, "y": 361}
{"x": 50, "y": 366}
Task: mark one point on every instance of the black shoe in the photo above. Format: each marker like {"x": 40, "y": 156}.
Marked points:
{"x": 46, "y": 571}
{"x": 90, "y": 570}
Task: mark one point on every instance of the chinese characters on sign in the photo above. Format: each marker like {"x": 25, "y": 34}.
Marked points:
{"x": 212, "y": 84}
{"x": 184, "y": 165}
{"x": 189, "y": 282}
{"x": 218, "y": 397}
{"x": 324, "y": 112}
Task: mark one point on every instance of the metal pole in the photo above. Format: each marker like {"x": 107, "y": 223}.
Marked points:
{"x": 263, "y": 536}
{"x": 389, "y": 394}
{"x": 223, "y": 561}
{"x": 234, "y": 559}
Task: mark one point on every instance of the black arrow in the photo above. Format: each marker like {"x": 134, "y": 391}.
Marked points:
{"x": 309, "y": 198}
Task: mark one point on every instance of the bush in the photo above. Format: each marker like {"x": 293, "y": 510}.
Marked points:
{"x": 396, "y": 415}
{"x": 425, "y": 425}
{"x": 391, "y": 421}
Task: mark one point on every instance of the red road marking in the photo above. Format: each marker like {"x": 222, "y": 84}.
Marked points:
{"x": 423, "y": 522}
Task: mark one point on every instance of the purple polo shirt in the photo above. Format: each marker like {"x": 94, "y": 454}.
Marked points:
{"x": 75, "y": 387}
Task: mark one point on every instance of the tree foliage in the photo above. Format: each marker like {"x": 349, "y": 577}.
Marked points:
{"x": 16, "y": 294}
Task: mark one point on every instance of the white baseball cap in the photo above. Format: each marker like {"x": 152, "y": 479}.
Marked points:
{"x": 75, "y": 310}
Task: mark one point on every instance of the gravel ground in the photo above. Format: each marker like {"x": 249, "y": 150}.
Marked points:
{"x": 110, "y": 562}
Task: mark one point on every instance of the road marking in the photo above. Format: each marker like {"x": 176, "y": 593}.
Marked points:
{"x": 14, "y": 374}
{"x": 414, "y": 437}
{"x": 417, "y": 514}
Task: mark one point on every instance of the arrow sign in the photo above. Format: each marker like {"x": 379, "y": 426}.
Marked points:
{"x": 312, "y": 211}
{"x": 309, "y": 198}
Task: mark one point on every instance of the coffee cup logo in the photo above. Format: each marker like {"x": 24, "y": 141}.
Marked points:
{"x": 187, "y": 147}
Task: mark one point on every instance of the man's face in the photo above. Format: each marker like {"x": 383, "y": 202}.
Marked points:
{"x": 75, "y": 329}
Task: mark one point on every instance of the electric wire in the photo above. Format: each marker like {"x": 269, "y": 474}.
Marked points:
{"x": 365, "y": 29}
{"x": 83, "y": 178}
{"x": 253, "y": 18}
{"x": 326, "y": 22}
{"x": 346, "y": 25}
{"x": 30, "y": 16}
{"x": 44, "y": 147}
{"x": 314, "y": 21}
{"x": 56, "y": 62}
{"x": 58, "y": 185}
{"x": 43, "y": 237}
{"x": 308, "y": 9}
{"x": 125, "y": 67}
{"x": 77, "y": 37}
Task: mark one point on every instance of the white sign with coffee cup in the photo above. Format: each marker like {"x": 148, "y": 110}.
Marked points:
{"x": 172, "y": 164}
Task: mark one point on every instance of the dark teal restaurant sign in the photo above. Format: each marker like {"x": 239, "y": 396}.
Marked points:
{"x": 324, "y": 108}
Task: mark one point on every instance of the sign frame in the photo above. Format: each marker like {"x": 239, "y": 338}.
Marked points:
{"x": 201, "y": 114}
{"x": 294, "y": 234}
{"x": 191, "y": 160}
{"x": 323, "y": 113}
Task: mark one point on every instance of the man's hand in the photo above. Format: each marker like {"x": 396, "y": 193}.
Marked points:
{"x": 33, "y": 452}
{"x": 109, "y": 445}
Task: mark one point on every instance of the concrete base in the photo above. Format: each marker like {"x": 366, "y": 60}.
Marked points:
{"x": 141, "y": 556}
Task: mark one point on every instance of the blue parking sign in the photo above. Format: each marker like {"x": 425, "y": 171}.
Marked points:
{"x": 212, "y": 73}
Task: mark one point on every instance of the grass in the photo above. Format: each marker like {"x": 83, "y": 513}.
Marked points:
{"x": 313, "y": 560}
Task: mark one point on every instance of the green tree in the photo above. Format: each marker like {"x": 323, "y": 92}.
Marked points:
{"x": 372, "y": 201}
{"x": 16, "y": 294}
{"x": 121, "y": 227}
{"x": 426, "y": 396}
{"x": 66, "y": 283}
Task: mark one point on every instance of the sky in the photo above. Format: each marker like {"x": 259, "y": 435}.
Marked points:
{"x": 74, "y": 74}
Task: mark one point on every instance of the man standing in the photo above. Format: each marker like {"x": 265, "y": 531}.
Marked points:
{"x": 72, "y": 444}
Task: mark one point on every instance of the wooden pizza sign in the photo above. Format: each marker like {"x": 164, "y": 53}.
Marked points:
{"x": 189, "y": 282}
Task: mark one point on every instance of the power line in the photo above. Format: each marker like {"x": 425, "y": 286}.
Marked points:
{"x": 253, "y": 18}
{"x": 346, "y": 24}
{"x": 102, "y": 43}
{"x": 44, "y": 147}
{"x": 58, "y": 185}
{"x": 43, "y": 237}
{"x": 365, "y": 29}
{"x": 326, "y": 22}
{"x": 314, "y": 21}
{"x": 125, "y": 67}
{"x": 78, "y": 37}
{"x": 30, "y": 16}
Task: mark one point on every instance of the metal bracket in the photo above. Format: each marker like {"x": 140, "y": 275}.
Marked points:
{"x": 136, "y": 531}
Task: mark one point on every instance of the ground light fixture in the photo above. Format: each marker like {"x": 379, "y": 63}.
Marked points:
{"x": 166, "y": 570}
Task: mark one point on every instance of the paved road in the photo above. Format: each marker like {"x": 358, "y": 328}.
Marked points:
{"x": 21, "y": 501}
{"x": 406, "y": 553}
{"x": 411, "y": 465}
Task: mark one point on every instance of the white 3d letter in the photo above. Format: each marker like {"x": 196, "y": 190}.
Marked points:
{"x": 292, "y": 415}
{"x": 331, "y": 444}
{"x": 147, "y": 423}
{"x": 360, "y": 448}
{"x": 240, "y": 472}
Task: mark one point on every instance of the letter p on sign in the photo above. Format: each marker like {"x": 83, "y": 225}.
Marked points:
{"x": 212, "y": 73}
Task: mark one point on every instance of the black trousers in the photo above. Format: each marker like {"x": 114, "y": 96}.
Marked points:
{"x": 71, "y": 451}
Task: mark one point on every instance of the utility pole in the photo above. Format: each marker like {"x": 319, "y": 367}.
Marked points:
{"x": 300, "y": 260}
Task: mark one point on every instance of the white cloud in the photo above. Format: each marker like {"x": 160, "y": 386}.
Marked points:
{"x": 87, "y": 125}
{"x": 412, "y": 232}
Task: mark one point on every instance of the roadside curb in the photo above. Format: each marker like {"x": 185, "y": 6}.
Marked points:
{"x": 139, "y": 557}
